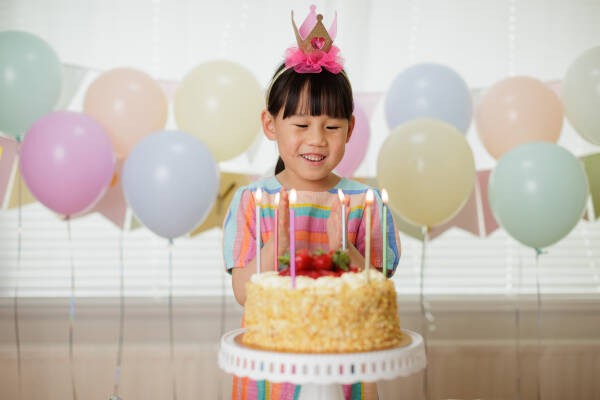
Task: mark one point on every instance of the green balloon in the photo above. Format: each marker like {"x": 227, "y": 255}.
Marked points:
{"x": 538, "y": 193}
{"x": 30, "y": 81}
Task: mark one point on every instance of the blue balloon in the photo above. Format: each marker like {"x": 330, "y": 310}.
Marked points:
{"x": 429, "y": 91}
{"x": 170, "y": 181}
{"x": 538, "y": 193}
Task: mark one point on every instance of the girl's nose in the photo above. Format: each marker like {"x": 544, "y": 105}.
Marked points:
{"x": 316, "y": 136}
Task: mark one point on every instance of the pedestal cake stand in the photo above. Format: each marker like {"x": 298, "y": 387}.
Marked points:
{"x": 321, "y": 375}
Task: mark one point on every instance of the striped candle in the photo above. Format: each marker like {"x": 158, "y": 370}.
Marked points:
{"x": 258, "y": 201}
{"x": 369, "y": 201}
{"x": 293, "y": 238}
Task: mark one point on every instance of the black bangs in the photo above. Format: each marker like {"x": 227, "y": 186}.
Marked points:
{"x": 323, "y": 93}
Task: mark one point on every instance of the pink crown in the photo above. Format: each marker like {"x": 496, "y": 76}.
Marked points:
{"x": 315, "y": 49}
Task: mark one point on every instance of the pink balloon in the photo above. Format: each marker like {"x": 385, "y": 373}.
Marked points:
{"x": 356, "y": 148}
{"x": 67, "y": 161}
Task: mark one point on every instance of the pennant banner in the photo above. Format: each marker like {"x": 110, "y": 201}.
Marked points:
{"x": 228, "y": 185}
{"x": 73, "y": 75}
{"x": 112, "y": 205}
{"x": 591, "y": 164}
{"x": 8, "y": 155}
{"x": 26, "y": 196}
{"x": 475, "y": 217}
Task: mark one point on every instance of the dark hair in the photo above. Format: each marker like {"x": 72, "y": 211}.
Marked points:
{"x": 328, "y": 93}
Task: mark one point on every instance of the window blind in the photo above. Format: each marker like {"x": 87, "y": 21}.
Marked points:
{"x": 457, "y": 263}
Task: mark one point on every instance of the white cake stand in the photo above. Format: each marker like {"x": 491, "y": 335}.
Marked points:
{"x": 320, "y": 375}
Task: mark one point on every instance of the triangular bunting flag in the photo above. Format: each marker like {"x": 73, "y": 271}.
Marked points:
{"x": 72, "y": 77}
{"x": 8, "y": 155}
{"x": 368, "y": 102}
{"x": 489, "y": 222}
{"x": 228, "y": 185}
{"x": 466, "y": 219}
{"x": 26, "y": 196}
{"x": 591, "y": 164}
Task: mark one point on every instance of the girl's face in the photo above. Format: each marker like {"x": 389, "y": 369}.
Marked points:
{"x": 311, "y": 146}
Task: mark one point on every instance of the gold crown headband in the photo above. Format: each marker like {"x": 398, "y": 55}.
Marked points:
{"x": 315, "y": 49}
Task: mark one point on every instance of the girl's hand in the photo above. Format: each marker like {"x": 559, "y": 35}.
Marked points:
{"x": 334, "y": 223}
{"x": 283, "y": 216}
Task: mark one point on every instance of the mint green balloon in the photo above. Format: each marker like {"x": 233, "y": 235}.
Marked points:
{"x": 30, "y": 81}
{"x": 538, "y": 193}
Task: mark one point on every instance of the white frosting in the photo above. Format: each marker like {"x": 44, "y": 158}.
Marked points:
{"x": 271, "y": 279}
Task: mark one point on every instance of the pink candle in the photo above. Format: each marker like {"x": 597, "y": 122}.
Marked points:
{"x": 293, "y": 238}
{"x": 276, "y": 231}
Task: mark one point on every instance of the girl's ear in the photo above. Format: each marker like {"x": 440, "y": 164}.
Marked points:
{"x": 268, "y": 125}
{"x": 350, "y": 128}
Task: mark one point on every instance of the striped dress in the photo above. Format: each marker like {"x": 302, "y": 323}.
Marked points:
{"x": 311, "y": 210}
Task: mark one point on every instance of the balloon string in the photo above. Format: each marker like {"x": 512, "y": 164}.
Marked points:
{"x": 424, "y": 308}
{"x": 171, "y": 345}
{"x": 518, "y": 329}
{"x": 115, "y": 395}
{"x": 18, "y": 274}
{"x": 220, "y": 201}
{"x": 71, "y": 310}
{"x": 538, "y": 252}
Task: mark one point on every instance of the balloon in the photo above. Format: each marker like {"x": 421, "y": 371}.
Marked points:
{"x": 170, "y": 181}
{"x": 581, "y": 95}
{"x": 67, "y": 161}
{"x": 220, "y": 103}
{"x": 356, "y": 148}
{"x": 428, "y": 169}
{"x": 518, "y": 110}
{"x": 129, "y": 104}
{"x": 430, "y": 91}
{"x": 538, "y": 193}
{"x": 30, "y": 81}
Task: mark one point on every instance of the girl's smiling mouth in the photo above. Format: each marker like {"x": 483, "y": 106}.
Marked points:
{"x": 313, "y": 158}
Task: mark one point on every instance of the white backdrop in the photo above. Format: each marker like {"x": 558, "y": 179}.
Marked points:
{"x": 484, "y": 41}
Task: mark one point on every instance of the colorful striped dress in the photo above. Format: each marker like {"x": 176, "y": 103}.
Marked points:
{"x": 312, "y": 210}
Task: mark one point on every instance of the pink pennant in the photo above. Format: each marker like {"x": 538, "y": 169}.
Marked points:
{"x": 170, "y": 88}
{"x": 8, "y": 153}
{"x": 555, "y": 86}
{"x": 489, "y": 221}
{"x": 113, "y": 205}
{"x": 368, "y": 101}
{"x": 467, "y": 219}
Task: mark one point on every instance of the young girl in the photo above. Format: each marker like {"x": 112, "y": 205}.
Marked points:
{"x": 309, "y": 115}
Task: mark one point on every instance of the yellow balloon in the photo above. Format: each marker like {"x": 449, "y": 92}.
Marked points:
{"x": 220, "y": 103}
{"x": 428, "y": 169}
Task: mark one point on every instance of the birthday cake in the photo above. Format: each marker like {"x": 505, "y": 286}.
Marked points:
{"x": 332, "y": 309}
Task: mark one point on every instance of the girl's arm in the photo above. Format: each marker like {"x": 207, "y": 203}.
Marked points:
{"x": 241, "y": 276}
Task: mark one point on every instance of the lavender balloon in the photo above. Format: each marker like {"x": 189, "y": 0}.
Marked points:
{"x": 170, "y": 181}
{"x": 432, "y": 91}
{"x": 67, "y": 161}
